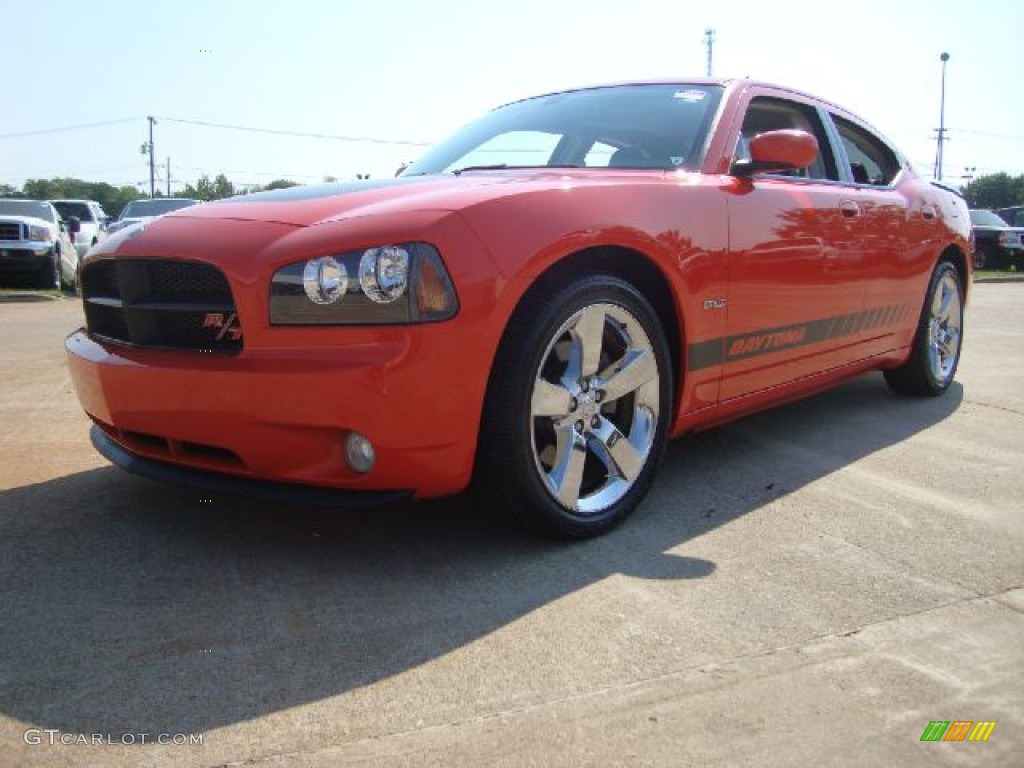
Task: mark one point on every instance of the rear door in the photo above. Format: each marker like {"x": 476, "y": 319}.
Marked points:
{"x": 796, "y": 261}
{"x": 900, "y": 228}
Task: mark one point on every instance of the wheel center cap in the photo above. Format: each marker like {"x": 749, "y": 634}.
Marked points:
{"x": 588, "y": 405}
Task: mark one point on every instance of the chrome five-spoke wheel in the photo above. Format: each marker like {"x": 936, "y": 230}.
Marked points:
{"x": 935, "y": 350}
{"x": 944, "y": 327}
{"x": 594, "y": 408}
{"x": 578, "y": 407}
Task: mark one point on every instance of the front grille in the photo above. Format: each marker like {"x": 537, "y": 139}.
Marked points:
{"x": 161, "y": 303}
{"x": 10, "y": 230}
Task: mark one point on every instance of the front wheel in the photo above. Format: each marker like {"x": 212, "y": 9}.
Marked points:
{"x": 48, "y": 277}
{"x": 979, "y": 257}
{"x": 935, "y": 351}
{"x": 578, "y": 408}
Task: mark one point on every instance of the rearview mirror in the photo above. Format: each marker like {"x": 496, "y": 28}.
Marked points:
{"x": 775, "y": 151}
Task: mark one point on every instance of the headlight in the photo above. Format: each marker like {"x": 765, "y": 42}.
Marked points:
{"x": 324, "y": 280}
{"x": 40, "y": 233}
{"x": 395, "y": 283}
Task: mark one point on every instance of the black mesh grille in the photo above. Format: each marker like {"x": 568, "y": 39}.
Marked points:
{"x": 10, "y": 230}
{"x": 161, "y": 303}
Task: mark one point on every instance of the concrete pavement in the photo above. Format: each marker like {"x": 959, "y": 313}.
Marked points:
{"x": 811, "y": 585}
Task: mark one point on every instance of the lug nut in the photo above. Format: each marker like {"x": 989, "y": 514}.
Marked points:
{"x": 595, "y": 422}
{"x": 579, "y": 426}
{"x": 598, "y": 395}
{"x": 585, "y": 385}
{"x": 573, "y": 405}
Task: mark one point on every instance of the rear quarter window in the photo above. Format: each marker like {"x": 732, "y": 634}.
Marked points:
{"x": 871, "y": 160}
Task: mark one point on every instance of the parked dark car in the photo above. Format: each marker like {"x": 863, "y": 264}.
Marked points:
{"x": 1014, "y": 216}
{"x": 997, "y": 245}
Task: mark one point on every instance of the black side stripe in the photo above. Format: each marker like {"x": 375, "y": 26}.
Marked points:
{"x": 726, "y": 349}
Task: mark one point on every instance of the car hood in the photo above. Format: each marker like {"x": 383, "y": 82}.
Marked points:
{"x": 322, "y": 203}
{"x": 32, "y": 220}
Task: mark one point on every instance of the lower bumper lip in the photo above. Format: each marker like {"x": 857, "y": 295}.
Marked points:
{"x": 218, "y": 483}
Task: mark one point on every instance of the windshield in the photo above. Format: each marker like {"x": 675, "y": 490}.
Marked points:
{"x": 154, "y": 207}
{"x": 986, "y": 219}
{"x": 629, "y": 126}
{"x": 28, "y": 208}
{"x": 66, "y": 209}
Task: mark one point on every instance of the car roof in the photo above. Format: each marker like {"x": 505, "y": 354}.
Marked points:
{"x": 731, "y": 82}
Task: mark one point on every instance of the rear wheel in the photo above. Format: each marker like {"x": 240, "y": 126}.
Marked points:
{"x": 578, "y": 408}
{"x": 935, "y": 353}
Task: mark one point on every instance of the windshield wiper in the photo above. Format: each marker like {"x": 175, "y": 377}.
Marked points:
{"x": 495, "y": 167}
{"x": 505, "y": 166}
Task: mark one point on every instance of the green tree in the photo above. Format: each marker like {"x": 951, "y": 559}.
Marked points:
{"x": 111, "y": 198}
{"x": 222, "y": 187}
{"x": 996, "y": 190}
{"x": 204, "y": 189}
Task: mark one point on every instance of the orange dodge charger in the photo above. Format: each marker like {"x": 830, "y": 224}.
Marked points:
{"x": 538, "y": 304}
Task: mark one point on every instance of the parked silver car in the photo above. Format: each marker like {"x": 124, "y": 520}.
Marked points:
{"x": 144, "y": 210}
{"x": 92, "y": 221}
{"x": 34, "y": 243}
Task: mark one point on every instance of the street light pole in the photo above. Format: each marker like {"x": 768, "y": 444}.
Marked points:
{"x": 942, "y": 121}
{"x": 152, "y": 159}
{"x": 709, "y": 41}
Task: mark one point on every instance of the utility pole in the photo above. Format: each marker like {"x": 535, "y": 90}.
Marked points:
{"x": 152, "y": 159}
{"x": 168, "y": 177}
{"x": 942, "y": 121}
{"x": 709, "y": 41}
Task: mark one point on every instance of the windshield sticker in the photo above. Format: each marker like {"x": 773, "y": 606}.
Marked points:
{"x": 676, "y": 160}
{"x": 689, "y": 96}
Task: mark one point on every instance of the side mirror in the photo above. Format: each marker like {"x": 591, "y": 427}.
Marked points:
{"x": 74, "y": 225}
{"x": 777, "y": 151}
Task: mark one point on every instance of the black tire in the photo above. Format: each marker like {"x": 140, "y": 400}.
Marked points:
{"x": 935, "y": 351}
{"x": 980, "y": 258}
{"x": 572, "y": 433}
{"x": 48, "y": 277}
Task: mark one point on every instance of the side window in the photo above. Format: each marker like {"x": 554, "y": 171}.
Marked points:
{"x": 871, "y": 160}
{"x": 769, "y": 114}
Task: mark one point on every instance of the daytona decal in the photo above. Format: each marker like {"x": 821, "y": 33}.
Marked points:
{"x": 704, "y": 354}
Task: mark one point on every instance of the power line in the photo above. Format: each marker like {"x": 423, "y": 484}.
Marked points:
{"x": 278, "y": 132}
{"x": 42, "y": 131}
{"x": 985, "y": 133}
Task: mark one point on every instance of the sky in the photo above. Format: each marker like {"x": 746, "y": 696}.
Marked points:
{"x": 406, "y": 74}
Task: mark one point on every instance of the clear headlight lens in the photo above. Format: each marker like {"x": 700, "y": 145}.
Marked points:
{"x": 384, "y": 273}
{"x": 40, "y": 233}
{"x": 324, "y": 280}
{"x": 389, "y": 284}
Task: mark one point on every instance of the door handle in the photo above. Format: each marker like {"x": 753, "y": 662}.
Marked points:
{"x": 849, "y": 208}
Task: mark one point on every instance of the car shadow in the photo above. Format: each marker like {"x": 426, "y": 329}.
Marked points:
{"x": 131, "y": 606}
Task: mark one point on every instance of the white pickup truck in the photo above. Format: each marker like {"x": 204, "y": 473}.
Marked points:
{"x": 34, "y": 243}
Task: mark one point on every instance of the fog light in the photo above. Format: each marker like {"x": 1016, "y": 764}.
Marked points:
{"x": 359, "y": 452}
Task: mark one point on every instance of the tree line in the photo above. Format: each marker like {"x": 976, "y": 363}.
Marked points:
{"x": 114, "y": 199}
{"x": 997, "y": 190}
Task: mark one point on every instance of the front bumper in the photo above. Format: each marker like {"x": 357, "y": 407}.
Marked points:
{"x": 281, "y": 415}
{"x": 221, "y": 483}
{"x": 25, "y": 256}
